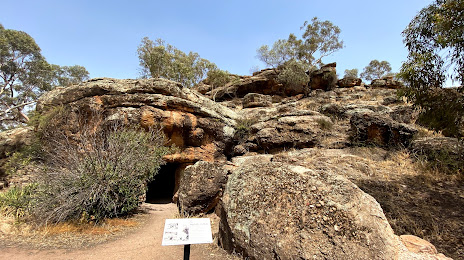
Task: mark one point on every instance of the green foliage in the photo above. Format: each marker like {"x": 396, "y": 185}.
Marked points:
{"x": 352, "y": 73}
{"x": 442, "y": 110}
{"x": 293, "y": 73}
{"x": 90, "y": 171}
{"x": 22, "y": 158}
{"x": 102, "y": 176}
{"x": 218, "y": 78}
{"x": 25, "y": 75}
{"x": 376, "y": 70}
{"x": 443, "y": 162}
{"x": 243, "y": 129}
{"x": 17, "y": 200}
{"x": 69, "y": 75}
{"x": 434, "y": 39}
{"x": 319, "y": 37}
{"x": 159, "y": 59}
{"x": 331, "y": 78}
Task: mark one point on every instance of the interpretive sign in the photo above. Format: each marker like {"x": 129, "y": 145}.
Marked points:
{"x": 187, "y": 231}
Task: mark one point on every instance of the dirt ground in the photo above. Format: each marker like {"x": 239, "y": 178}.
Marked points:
{"x": 143, "y": 242}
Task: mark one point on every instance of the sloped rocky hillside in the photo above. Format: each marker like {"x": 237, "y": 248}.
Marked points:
{"x": 306, "y": 172}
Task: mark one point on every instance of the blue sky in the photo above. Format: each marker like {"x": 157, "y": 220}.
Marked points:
{"x": 103, "y": 35}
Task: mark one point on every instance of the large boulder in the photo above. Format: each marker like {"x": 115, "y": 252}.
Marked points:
{"x": 273, "y": 210}
{"x": 262, "y": 82}
{"x": 201, "y": 187}
{"x": 325, "y": 78}
{"x": 286, "y": 130}
{"x": 387, "y": 82}
{"x": 349, "y": 82}
{"x": 371, "y": 128}
{"x": 256, "y": 100}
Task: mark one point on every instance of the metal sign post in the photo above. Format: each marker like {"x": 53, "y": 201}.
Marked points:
{"x": 186, "y": 252}
{"x": 187, "y": 231}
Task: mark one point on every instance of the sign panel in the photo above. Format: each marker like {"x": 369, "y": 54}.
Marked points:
{"x": 187, "y": 231}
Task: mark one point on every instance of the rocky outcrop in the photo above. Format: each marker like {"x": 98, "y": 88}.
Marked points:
{"x": 445, "y": 150}
{"x": 300, "y": 129}
{"x": 256, "y": 100}
{"x": 201, "y": 187}
{"x": 349, "y": 82}
{"x": 201, "y": 128}
{"x": 387, "y": 82}
{"x": 12, "y": 140}
{"x": 422, "y": 247}
{"x": 273, "y": 210}
{"x": 324, "y": 78}
{"x": 263, "y": 82}
{"x": 367, "y": 128}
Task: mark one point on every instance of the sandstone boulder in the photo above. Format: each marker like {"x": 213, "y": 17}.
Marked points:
{"x": 324, "y": 78}
{"x": 201, "y": 187}
{"x": 349, "y": 82}
{"x": 387, "y": 82}
{"x": 273, "y": 210}
{"x": 256, "y": 100}
{"x": 368, "y": 128}
{"x": 287, "y": 130}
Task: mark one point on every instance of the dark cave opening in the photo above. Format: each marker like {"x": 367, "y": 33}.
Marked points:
{"x": 162, "y": 188}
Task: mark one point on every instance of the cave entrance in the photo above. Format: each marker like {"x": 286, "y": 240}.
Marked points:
{"x": 163, "y": 186}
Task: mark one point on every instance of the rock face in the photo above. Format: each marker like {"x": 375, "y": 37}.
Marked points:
{"x": 272, "y": 210}
{"x": 198, "y": 126}
{"x": 287, "y": 130}
{"x": 324, "y": 78}
{"x": 380, "y": 130}
{"x": 387, "y": 82}
{"x": 263, "y": 82}
{"x": 256, "y": 100}
{"x": 201, "y": 187}
{"x": 12, "y": 140}
{"x": 349, "y": 82}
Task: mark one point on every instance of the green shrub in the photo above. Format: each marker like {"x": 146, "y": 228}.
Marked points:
{"x": 293, "y": 73}
{"x": 17, "y": 200}
{"x": 218, "y": 78}
{"x": 243, "y": 129}
{"x": 103, "y": 176}
{"x": 443, "y": 162}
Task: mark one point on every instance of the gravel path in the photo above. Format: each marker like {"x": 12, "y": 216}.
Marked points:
{"x": 144, "y": 243}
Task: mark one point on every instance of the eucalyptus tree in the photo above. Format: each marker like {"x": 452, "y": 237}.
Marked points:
{"x": 160, "y": 59}
{"x": 25, "y": 75}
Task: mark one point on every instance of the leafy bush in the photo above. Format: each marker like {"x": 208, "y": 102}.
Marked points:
{"x": 159, "y": 59}
{"x": 102, "y": 176}
{"x": 440, "y": 109}
{"x": 91, "y": 170}
{"x": 293, "y": 73}
{"x": 218, "y": 78}
{"x": 17, "y": 200}
{"x": 243, "y": 129}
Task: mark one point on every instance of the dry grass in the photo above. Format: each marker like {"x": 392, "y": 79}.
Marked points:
{"x": 108, "y": 226}
{"x": 65, "y": 235}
